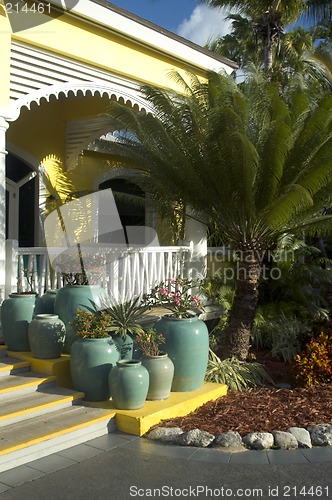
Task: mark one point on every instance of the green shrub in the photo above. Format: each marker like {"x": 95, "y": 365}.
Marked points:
{"x": 237, "y": 375}
{"x": 314, "y": 364}
{"x": 282, "y": 335}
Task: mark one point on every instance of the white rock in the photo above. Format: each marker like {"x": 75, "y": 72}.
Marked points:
{"x": 302, "y": 436}
{"x": 284, "y": 440}
{"x": 259, "y": 440}
{"x": 196, "y": 437}
{"x": 321, "y": 434}
{"x": 165, "y": 434}
{"x": 229, "y": 439}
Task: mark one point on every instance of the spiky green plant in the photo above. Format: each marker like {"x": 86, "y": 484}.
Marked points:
{"x": 237, "y": 375}
{"x": 248, "y": 162}
{"x": 126, "y": 316}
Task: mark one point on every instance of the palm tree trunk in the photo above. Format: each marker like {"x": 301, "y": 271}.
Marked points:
{"x": 268, "y": 56}
{"x": 236, "y": 336}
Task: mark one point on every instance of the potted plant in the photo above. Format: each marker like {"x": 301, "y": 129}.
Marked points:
{"x": 126, "y": 317}
{"x": 78, "y": 292}
{"x": 186, "y": 336}
{"x": 157, "y": 362}
{"x": 93, "y": 354}
{"x": 16, "y": 314}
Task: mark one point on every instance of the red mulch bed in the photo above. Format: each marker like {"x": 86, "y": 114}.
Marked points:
{"x": 262, "y": 409}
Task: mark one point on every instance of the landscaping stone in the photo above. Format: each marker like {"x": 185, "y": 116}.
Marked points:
{"x": 259, "y": 440}
{"x": 321, "y": 434}
{"x": 302, "y": 436}
{"x": 196, "y": 437}
{"x": 165, "y": 434}
{"x": 229, "y": 440}
{"x": 284, "y": 440}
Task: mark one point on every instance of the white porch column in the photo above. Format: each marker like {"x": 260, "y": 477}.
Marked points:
{"x": 3, "y": 127}
{"x": 196, "y": 234}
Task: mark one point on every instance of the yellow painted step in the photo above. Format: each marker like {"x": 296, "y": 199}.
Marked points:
{"x": 37, "y": 403}
{"x": 23, "y": 381}
{"x": 59, "y": 367}
{"x": 34, "y": 431}
{"x": 179, "y": 404}
{"x": 8, "y": 364}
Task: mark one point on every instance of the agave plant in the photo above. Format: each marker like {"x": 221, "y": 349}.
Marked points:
{"x": 126, "y": 317}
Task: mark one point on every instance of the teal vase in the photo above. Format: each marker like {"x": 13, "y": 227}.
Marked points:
{"x": 125, "y": 345}
{"x": 129, "y": 384}
{"x": 90, "y": 363}
{"x": 161, "y": 372}
{"x": 16, "y": 313}
{"x": 187, "y": 345}
{"x": 46, "y": 302}
{"x": 72, "y": 297}
{"x": 46, "y": 336}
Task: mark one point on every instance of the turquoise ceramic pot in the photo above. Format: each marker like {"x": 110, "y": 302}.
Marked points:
{"x": 129, "y": 384}
{"x": 16, "y": 313}
{"x": 46, "y": 336}
{"x": 72, "y": 297}
{"x": 46, "y": 302}
{"x": 125, "y": 345}
{"x": 90, "y": 363}
{"x": 187, "y": 345}
{"x": 161, "y": 372}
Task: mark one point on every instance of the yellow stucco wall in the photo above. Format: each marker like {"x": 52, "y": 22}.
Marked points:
{"x": 105, "y": 49}
{"x": 4, "y": 58}
{"x": 40, "y": 131}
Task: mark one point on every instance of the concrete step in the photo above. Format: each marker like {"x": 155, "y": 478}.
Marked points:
{"x": 16, "y": 385}
{"x": 10, "y": 366}
{"x": 37, "y": 437}
{"x": 37, "y": 403}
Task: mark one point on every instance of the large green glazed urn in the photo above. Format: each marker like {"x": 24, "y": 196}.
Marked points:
{"x": 73, "y": 297}
{"x": 91, "y": 360}
{"x": 161, "y": 372}
{"x": 16, "y": 314}
{"x": 129, "y": 384}
{"x": 187, "y": 345}
{"x": 46, "y": 336}
{"x": 46, "y": 302}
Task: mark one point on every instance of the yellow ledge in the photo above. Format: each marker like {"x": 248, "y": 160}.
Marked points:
{"x": 179, "y": 404}
{"x": 58, "y": 367}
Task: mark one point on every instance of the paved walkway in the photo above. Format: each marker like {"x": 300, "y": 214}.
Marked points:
{"x": 121, "y": 466}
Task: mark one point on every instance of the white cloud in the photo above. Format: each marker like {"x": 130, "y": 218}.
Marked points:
{"x": 204, "y": 24}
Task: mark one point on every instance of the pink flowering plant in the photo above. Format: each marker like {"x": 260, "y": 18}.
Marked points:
{"x": 95, "y": 325}
{"x": 174, "y": 294}
{"x": 149, "y": 342}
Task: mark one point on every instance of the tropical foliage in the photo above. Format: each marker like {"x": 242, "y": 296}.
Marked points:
{"x": 94, "y": 325}
{"x": 174, "y": 295}
{"x": 314, "y": 364}
{"x": 149, "y": 342}
{"x": 237, "y": 375}
{"x": 252, "y": 165}
{"x": 268, "y": 19}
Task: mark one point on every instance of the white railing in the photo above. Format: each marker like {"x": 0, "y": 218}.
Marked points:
{"x": 134, "y": 273}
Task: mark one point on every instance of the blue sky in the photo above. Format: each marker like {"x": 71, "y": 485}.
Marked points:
{"x": 188, "y": 18}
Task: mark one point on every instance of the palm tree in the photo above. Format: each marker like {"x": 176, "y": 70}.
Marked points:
{"x": 247, "y": 162}
{"x": 270, "y": 16}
